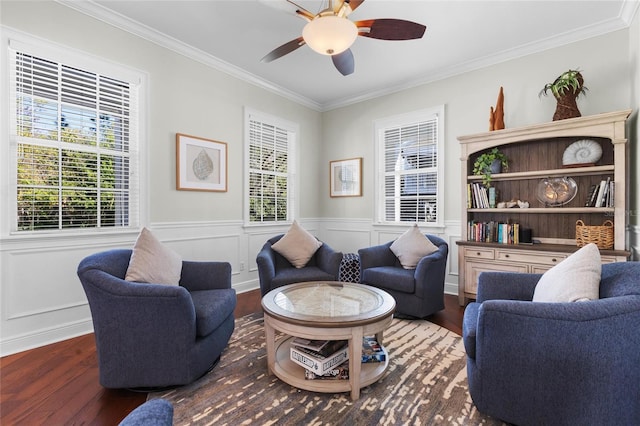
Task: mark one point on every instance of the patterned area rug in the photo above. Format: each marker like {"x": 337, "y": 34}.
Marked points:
{"x": 425, "y": 384}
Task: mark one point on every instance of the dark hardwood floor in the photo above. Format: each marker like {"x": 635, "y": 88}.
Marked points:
{"x": 58, "y": 384}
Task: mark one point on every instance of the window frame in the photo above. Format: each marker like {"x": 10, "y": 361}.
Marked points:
{"x": 293, "y": 131}
{"x": 138, "y": 195}
{"x": 402, "y": 120}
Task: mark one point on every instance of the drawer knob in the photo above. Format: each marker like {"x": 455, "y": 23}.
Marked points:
{"x": 554, "y": 260}
{"x": 478, "y": 253}
{"x": 506, "y": 255}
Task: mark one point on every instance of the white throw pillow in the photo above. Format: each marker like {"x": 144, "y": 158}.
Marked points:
{"x": 575, "y": 279}
{"x": 153, "y": 262}
{"x": 412, "y": 246}
{"x": 297, "y": 245}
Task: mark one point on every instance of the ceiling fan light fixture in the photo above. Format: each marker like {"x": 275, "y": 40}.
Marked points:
{"x": 330, "y": 35}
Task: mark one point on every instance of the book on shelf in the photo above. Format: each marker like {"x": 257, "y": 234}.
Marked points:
{"x": 315, "y": 361}
{"x": 341, "y": 372}
{"x": 372, "y": 351}
{"x": 591, "y": 196}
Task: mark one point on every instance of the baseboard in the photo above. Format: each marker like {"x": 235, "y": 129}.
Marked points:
{"x": 45, "y": 337}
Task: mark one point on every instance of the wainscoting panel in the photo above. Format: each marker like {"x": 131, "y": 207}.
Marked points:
{"x": 42, "y": 301}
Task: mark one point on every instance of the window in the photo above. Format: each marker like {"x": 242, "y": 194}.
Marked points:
{"x": 74, "y": 159}
{"x": 410, "y": 166}
{"x": 270, "y": 143}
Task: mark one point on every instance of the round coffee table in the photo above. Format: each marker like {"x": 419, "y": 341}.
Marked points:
{"x": 328, "y": 310}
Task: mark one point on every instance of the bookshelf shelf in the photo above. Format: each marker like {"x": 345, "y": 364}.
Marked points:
{"x": 546, "y": 210}
{"x": 535, "y": 153}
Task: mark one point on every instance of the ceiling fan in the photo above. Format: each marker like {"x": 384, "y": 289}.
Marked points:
{"x": 331, "y": 33}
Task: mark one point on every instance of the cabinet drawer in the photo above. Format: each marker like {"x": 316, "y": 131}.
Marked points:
{"x": 529, "y": 257}
{"x": 479, "y": 253}
{"x": 474, "y": 269}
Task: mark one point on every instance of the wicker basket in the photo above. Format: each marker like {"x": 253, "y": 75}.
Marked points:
{"x": 602, "y": 236}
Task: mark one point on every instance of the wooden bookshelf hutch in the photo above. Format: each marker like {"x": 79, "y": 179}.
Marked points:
{"x": 535, "y": 152}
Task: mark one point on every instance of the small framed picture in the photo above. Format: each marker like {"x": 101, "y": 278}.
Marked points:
{"x": 201, "y": 164}
{"x": 345, "y": 178}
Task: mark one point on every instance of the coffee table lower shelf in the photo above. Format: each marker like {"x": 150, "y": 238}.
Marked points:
{"x": 293, "y": 374}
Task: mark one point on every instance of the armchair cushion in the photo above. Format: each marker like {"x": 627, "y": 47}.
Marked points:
{"x": 212, "y": 308}
{"x": 297, "y": 245}
{"x": 392, "y": 278}
{"x": 575, "y": 279}
{"x": 153, "y": 262}
{"x": 412, "y": 246}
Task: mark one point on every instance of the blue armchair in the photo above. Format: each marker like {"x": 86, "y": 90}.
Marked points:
{"x": 274, "y": 270}
{"x": 155, "y": 412}
{"x": 533, "y": 363}
{"x": 418, "y": 292}
{"x": 154, "y": 335}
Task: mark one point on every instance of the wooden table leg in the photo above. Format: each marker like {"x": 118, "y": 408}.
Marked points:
{"x": 355, "y": 362}
{"x": 270, "y": 340}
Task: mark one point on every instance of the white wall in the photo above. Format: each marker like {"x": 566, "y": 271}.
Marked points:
{"x": 41, "y": 297}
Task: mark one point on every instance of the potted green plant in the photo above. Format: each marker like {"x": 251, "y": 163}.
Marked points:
{"x": 566, "y": 89}
{"x": 488, "y": 163}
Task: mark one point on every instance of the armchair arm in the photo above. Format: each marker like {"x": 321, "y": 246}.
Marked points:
{"x": 380, "y": 255}
{"x": 506, "y": 286}
{"x": 555, "y": 341}
{"x": 328, "y": 259}
{"x": 205, "y": 275}
{"x": 430, "y": 274}
{"x": 266, "y": 261}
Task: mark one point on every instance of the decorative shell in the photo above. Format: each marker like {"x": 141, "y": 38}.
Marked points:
{"x": 202, "y": 165}
{"x": 584, "y": 151}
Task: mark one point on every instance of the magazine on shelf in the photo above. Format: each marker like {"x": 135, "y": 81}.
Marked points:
{"x": 323, "y": 347}
{"x": 340, "y": 372}
{"x": 372, "y": 351}
{"x": 316, "y": 362}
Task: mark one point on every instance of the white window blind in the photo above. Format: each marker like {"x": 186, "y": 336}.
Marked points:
{"x": 410, "y": 170}
{"x": 76, "y": 139}
{"x": 270, "y": 147}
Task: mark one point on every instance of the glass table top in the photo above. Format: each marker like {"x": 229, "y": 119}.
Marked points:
{"x": 328, "y": 301}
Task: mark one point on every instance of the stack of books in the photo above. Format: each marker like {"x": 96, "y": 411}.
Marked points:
{"x": 493, "y": 232}
{"x": 601, "y": 194}
{"x": 329, "y": 359}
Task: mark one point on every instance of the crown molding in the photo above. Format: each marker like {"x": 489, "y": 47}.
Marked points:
{"x": 628, "y": 10}
{"x": 122, "y": 22}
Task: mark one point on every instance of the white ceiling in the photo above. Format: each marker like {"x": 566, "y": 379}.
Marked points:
{"x": 461, "y": 35}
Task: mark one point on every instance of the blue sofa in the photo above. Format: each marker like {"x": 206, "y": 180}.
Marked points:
{"x": 418, "y": 292}
{"x": 154, "y": 335}
{"x": 274, "y": 270}
{"x": 532, "y": 363}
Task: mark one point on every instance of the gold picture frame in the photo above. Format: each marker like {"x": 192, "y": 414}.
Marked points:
{"x": 345, "y": 178}
{"x": 201, "y": 164}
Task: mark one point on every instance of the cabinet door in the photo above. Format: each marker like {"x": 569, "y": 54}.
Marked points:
{"x": 474, "y": 268}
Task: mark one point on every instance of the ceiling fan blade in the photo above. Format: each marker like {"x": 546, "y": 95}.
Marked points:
{"x": 390, "y": 29}
{"x": 344, "y": 62}
{"x": 283, "y": 50}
